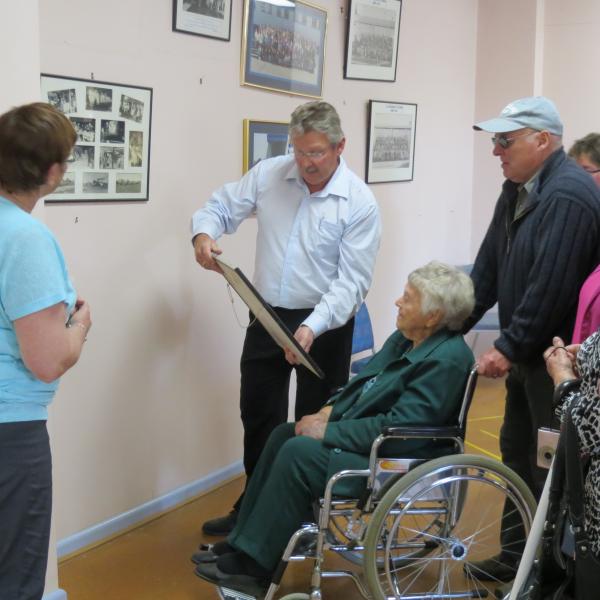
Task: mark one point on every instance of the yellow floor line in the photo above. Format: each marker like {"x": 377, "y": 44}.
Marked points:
{"x": 484, "y": 418}
{"x": 482, "y": 450}
{"x": 493, "y": 435}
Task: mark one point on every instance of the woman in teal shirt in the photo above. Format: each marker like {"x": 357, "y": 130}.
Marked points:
{"x": 42, "y": 329}
{"x": 417, "y": 378}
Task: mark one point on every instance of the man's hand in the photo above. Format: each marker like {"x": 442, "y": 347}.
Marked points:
{"x": 314, "y": 425}
{"x": 305, "y": 337}
{"x": 493, "y": 364}
{"x": 205, "y": 247}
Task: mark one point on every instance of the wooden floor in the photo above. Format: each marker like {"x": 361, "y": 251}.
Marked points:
{"x": 152, "y": 562}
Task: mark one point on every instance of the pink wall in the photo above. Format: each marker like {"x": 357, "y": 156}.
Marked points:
{"x": 153, "y": 403}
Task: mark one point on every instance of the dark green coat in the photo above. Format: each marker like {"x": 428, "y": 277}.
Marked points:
{"x": 422, "y": 386}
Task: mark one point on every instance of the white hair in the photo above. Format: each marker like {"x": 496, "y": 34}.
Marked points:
{"x": 445, "y": 289}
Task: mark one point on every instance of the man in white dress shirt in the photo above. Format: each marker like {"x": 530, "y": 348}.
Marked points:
{"x": 318, "y": 235}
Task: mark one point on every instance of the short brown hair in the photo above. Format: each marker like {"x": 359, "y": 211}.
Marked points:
{"x": 33, "y": 137}
{"x": 590, "y": 145}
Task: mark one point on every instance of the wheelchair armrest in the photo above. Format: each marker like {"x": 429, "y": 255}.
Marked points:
{"x": 422, "y": 432}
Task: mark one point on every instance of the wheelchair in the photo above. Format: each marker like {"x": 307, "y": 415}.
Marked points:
{"x": 420, "y": 523}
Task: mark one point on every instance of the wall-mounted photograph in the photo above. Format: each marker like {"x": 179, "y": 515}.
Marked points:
{"x": 391, "y": 141}
{"x": 208, "y": 18}
{"x": 264, "y": 139}
{"x": 111, "y": 158}
{"x": 372, "y": 36}
{"x": 283, "y": 46}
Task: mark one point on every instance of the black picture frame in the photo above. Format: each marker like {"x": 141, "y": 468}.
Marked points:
{"x": 391, "y": 141}
{"x": 372, "y": 38}
{"x": 283, "y": 47}
{"x": 111, "y": 157}
{"x": 206, "y": 18}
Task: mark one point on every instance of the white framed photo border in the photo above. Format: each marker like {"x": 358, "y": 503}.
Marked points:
{"x": 391, "y": 141}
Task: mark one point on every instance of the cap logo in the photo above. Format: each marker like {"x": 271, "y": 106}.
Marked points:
{"x": 509, "y": 110}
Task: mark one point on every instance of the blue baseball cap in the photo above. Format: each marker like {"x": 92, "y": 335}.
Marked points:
{"x": 534, "y": 112}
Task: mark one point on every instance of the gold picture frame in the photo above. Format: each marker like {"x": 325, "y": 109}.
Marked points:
{"x": 283, "y": 47}
{"x": 264, "y": 139}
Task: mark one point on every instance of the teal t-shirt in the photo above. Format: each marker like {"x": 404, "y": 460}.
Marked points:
{"x": 33, "y": 276}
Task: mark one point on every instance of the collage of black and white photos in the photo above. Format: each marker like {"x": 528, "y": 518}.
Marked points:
{"x": 110, "y": 160}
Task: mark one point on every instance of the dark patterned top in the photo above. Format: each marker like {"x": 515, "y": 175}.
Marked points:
{"x": 586, "y": 418}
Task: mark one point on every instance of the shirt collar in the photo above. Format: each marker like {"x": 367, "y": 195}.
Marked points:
{"x": 338, "y": 185}
{"x": 529, "y": 185}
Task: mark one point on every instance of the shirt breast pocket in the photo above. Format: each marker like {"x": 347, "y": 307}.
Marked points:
{"x": 326, "y": 239}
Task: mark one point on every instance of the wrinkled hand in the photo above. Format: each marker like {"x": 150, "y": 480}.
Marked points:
{"x": 204, "y": 248}
{"x": 314, "y": 425}
{"x": 560, "y": 360}
{"x": 493, "y": 363}
{"x": 305, "y": 337}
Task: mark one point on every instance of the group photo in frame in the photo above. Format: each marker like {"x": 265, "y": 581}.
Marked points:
{"x": 391, "y": 141}
{"x": 208, "y": 18}
{"x": 372, "y": 35}
{"x": 111, "y": 158}
{"x": 264, "y": 139}
{"x": 283, "y": 46}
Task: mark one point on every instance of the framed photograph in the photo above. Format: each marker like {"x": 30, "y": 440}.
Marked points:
{"x": 208, "y": 18}
{"x": 283, "y": 46}
{"x": 111, "y": 158}
{"x": 372, "y": 39}
{"x": 264, "y": 139}
{"x": 391, "y": 141}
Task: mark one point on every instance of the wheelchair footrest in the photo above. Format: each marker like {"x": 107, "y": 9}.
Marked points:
{"x": 227, "y": 594}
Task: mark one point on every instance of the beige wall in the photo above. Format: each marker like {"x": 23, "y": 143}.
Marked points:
{"x": 506, "y": 59}
{"x": 153, "y": 403}
{"x": 571, "y": 55}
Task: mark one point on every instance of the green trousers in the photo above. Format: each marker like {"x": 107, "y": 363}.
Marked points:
{"x": 291, "y": 473}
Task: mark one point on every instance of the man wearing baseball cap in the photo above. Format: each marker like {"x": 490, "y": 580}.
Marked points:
{"x": 544, "y": 239}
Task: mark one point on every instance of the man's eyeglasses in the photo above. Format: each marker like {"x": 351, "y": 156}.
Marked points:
{"x": 505, "y": 142}
{"x": 313, "y": 155}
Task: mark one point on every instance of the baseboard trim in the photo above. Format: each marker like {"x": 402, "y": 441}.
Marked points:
{"x": 126, "y": 520}
{"x": 55, "y": 595}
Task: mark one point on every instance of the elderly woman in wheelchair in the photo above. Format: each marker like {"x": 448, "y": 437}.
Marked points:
{"x": 410, "y": 525}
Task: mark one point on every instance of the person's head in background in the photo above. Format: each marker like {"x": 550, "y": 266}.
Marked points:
{"x": 35, "y": 143}
{"x": 586, "y": 152}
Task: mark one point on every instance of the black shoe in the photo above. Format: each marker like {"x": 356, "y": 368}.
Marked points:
{"x": 220, "y": 525}
{"x": 240, "y": 563}
{"x": 496, "y": 568}
{"x": 208, "y": 553}
{"x": 502, "y": 592}
{"x": 252, "y": 586}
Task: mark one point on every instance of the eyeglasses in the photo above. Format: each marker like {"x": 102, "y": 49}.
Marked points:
{"x": 316, "y": 154}
{"x": 505, "y": 142}
{"x": 590, "y": 170}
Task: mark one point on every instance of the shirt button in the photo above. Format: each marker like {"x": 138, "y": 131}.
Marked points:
{"x": 337, "y": 450}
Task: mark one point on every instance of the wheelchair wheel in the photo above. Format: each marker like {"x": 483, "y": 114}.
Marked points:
{"x": 436, "y": 520}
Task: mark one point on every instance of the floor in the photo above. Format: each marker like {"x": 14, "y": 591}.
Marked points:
{"x": 152, "y": 562}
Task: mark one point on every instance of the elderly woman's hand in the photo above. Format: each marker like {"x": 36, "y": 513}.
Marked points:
{"x": 314, "y": 425}
{"x": 560, "y": 360}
